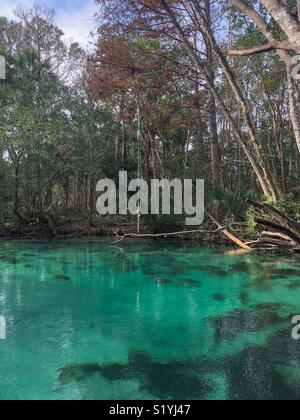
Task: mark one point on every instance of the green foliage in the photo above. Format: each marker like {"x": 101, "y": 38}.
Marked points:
{"x": 289, "y": 205}
{"x": 163, "y": 223}
{"x": 251, "y": 225}
{"x": 232, "y": 204}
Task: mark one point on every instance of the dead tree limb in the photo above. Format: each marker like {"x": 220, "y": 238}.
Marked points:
{"x": 229, "y": 235}
{"x": 278, "y": 228}
{"x": 164, "y": 235}
{"x": 277, "y": 235}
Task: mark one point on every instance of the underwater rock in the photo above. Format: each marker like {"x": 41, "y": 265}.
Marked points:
{"x": 244, "y": 298}
{"x": 239, "y": 267}
{"x": 214, "y": 271}
{"x": 270, "y": 306}
{"x": 219, "y": 297}
{"x": 189, "y": 283}
{"x": 78, "y": 372}
{"x": 163, "y": 282}
{"x": 185, "y": 283}
{"x": 252, "y": 374}
{"x": 282, "y": 347}
{"x": 228, "y": 327}
{"x": 10, "y": 260}
{"x": 115, "y": 372}
{"x": 174, "y": 380}
{"x": 62, "y": 277}
{"x": 251, "y": 378}
{"x": 294, "y": 284}
{"x": 150, "y": 272}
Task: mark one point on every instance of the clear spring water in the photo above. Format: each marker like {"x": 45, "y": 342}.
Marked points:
{"x": 147, "y": 321}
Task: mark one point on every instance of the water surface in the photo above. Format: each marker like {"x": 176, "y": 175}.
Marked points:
{"x": 158, "y": 320}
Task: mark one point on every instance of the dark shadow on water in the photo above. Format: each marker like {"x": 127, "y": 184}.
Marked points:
{"x": 252, "y": 374}
{"x": 174, "y": 380}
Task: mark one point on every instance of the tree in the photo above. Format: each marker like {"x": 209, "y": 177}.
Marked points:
{"x": 44, "y": 144}
{"x": 281, "y": 15}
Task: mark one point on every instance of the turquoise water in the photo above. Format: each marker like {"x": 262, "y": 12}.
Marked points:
{"x": 147, "y": 321}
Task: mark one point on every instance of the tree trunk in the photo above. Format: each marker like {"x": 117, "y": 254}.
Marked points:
{"x": 288, "y": 22}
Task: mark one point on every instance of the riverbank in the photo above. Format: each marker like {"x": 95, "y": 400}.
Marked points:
{"x": 270, "y": 229}
{"x": 108, "y": 228}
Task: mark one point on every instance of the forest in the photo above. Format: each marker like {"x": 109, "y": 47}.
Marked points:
{"x": 150, "y": 202}
{"x": 168, "y": 89}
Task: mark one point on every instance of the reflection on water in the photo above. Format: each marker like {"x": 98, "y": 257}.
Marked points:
{"x": 147, "y": 321}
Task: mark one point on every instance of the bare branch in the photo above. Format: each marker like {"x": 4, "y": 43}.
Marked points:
{"x": 276, "y": 45}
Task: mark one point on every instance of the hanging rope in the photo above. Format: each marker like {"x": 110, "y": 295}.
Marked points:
{"x": 139, "y": 135}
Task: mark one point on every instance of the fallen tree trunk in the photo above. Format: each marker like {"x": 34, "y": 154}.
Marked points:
{"x": 274, "y": 242}
{"x": 278, "y": 235}
{"x": 277, "y": 228}
{"x": 277, "y": 220}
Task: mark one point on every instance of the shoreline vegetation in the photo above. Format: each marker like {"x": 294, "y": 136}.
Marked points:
{"x": 274, "y": 230}
{"x": 176, "y": 91}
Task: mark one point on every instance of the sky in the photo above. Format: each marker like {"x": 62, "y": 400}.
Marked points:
{"x": 74, "y": 17}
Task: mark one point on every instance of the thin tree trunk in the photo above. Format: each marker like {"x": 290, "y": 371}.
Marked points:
{"x": 214, "y": 139}
{"x": 17, "y": 187}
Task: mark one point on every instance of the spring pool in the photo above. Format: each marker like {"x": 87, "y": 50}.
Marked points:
{"x": 157, "y": 320}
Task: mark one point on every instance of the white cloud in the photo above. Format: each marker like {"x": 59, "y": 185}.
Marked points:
{"x": 7, "y": 7}
{"x": 77, "y": 22}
